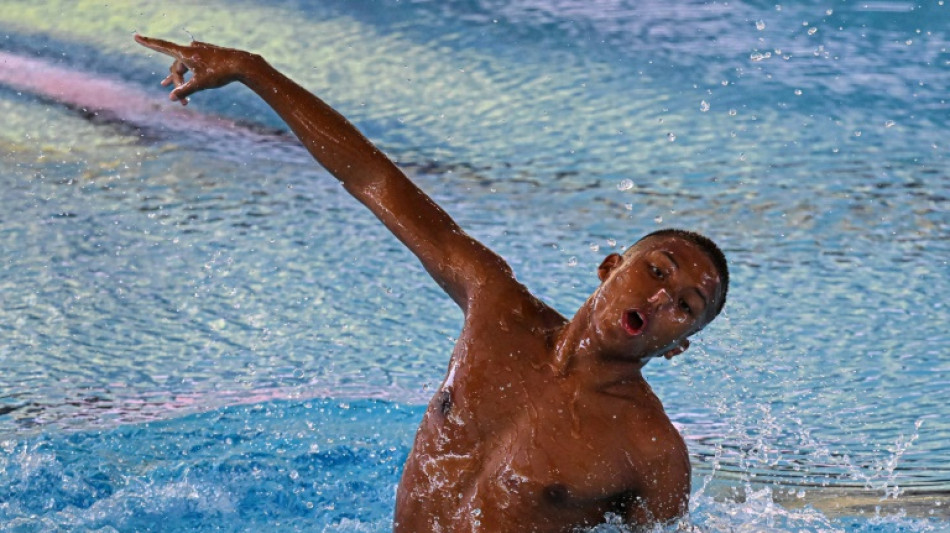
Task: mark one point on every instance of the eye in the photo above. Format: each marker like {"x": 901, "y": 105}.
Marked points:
{"x": 657, "y": 273}
{"x": 684, "y": 306}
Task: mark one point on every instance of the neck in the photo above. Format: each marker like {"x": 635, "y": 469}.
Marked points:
{"x": 577, "y": 352}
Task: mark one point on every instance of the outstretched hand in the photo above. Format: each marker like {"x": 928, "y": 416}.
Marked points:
{"x": 211, "y": 66}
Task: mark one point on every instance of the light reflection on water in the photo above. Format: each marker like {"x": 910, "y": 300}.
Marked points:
{"x": 143, "y": 278}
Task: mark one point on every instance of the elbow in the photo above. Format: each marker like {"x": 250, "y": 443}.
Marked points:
{"x": 373, "y": 186}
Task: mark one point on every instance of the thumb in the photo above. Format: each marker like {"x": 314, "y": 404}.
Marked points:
{"x": 183, "y": 91}
{"x": 678, "y": 350}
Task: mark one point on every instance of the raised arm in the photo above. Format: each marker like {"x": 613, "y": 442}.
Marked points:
{"x": 455, "y": 260}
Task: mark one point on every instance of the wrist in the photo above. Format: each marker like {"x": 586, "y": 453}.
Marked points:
{"x": 251, "y": 68}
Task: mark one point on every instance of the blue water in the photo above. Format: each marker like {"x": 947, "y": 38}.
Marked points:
{"x": 278, "y": 466}
{"x": 317, "y": 465}
{"x": 184, "y": 322}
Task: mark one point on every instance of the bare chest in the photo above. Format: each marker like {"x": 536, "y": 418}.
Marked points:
{"x": 515, "y": 443}
{"x": 509, "y": 444}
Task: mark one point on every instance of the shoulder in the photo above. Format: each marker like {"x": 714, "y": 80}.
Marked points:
{"x": 667, "y": 479}
{"x": 504, "y": 297}
{"x": 662, "y": 454}
{"x": 667, "y": 448}
{"x": 661, "y": 483}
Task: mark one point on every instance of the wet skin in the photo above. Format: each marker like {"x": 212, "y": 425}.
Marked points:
{"x": 542, "y": 423}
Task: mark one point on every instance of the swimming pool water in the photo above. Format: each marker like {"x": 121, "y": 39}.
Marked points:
{"x": 163, "y": 293}
{"x": 314, "y": 465}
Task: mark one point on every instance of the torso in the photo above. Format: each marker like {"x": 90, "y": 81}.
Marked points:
{"x": 509, "y": 443}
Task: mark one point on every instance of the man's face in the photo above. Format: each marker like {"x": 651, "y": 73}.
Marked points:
{"x": 661, "y": 291}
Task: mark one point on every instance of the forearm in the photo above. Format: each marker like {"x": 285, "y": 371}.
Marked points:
{"x": 447, "y": 252}
{"x": 332, "y": 140}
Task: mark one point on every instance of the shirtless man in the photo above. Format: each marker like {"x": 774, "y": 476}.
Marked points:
{"x": 542, "y": 423}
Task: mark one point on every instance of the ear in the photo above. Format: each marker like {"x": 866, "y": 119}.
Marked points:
{"x": 678, "y": 350}
{"x": 609, "y": 263}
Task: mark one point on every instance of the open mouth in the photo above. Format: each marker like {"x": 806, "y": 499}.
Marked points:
{"x": 634, "y": 322}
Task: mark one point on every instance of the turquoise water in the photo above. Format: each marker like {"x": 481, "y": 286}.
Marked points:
{"x": 200, "y": 334}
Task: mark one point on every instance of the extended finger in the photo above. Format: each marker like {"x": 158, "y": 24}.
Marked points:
{"x": 159, "y": 45}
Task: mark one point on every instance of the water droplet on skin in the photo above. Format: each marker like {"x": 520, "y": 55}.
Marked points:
{"x": 704, "y": 106}
{"x": 671, "y": 136}
{"x": 760, "y": 25}
{"x": 625, "y": 185}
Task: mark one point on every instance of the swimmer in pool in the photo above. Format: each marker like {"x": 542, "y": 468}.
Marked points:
{"x": 543, "y": 423}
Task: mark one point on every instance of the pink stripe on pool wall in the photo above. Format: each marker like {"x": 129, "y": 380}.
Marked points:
{"x": 111, "y": 98}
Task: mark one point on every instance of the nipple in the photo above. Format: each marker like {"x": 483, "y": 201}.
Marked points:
{"x": 556, "y": 494}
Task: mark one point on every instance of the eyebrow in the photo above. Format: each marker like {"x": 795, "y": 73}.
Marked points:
{"x": 669, "y": 254}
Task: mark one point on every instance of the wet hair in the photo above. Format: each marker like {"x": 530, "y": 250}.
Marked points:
{"x": 708, "y": 247}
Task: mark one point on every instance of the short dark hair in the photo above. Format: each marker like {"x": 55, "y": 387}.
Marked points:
{"x": 708, "y": 247}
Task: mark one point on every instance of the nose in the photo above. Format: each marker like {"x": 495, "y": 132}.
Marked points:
{"x": 661, "y": 298}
